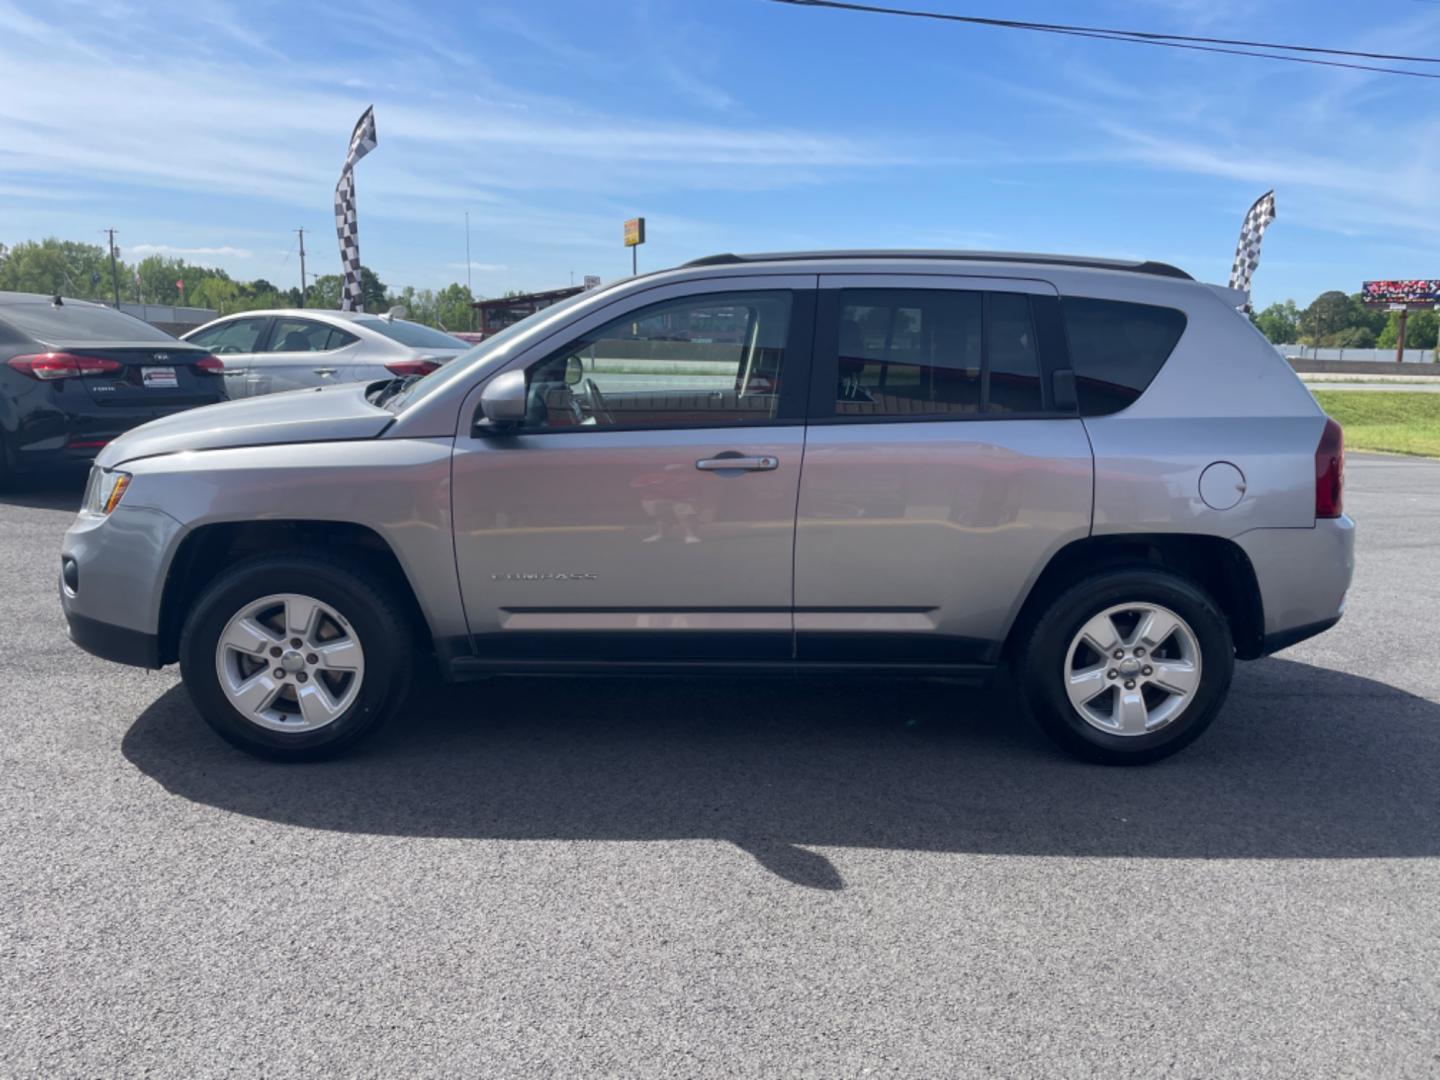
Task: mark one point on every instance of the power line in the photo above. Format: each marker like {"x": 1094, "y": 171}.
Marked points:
{"x": 1228, "y": 46}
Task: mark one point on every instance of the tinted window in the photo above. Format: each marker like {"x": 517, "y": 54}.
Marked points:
{"x": 1117, "y": 348}
{"x": 695, "y": 362}
{"x": 235, "y": 336}
{"x": 338, "y": 338}
{"x": 490, "y": 353}
{"x": 412, "y": 334}
{"x": 299, "y": 335}
{"x": 923, "y": 352}
{"x": 75, "y": 322}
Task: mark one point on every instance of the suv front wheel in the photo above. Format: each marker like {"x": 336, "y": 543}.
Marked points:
{"x": 295, "y": 657}
{"x": 1128, "y": 666}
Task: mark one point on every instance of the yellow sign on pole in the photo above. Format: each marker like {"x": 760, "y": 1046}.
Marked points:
{"x": 634, "y": 231}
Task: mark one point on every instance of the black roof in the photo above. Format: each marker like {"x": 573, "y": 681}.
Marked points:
{"x": 1157, "y": 269}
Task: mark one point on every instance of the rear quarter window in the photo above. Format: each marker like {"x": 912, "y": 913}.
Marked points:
{"x": 1117, "y": 348}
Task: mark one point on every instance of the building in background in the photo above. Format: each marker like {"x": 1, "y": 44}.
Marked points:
{"x": 503, "y": 311}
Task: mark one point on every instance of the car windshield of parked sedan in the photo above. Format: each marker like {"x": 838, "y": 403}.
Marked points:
{"x": 412, "y": 334}
{"x": 494, "y": 349}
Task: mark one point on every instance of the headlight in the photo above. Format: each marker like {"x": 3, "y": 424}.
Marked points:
{"x": 105, "y": 490}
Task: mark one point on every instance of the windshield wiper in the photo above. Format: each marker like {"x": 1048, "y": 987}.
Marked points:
{"x": 392, "y": 389}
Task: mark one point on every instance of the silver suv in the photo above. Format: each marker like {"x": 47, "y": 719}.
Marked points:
{"x": 858, "y": 463}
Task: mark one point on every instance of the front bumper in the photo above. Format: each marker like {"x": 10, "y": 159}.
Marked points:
{"x": 1303, "y": 576}
{"x": 111, "y": 642}
{"x": 116, "y": 576}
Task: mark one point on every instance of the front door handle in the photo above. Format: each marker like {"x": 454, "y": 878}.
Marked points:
{"x": 325, "y": 371}
{"x": 738, "y": 464}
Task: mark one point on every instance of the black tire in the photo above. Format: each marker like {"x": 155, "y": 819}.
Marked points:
{"x": 1041, "y": 666}
{"x": 375, "y": 615}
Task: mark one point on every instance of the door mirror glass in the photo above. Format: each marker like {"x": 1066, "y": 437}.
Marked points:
{"x": 574, "y": 371}
{"x": 503, "y": 399}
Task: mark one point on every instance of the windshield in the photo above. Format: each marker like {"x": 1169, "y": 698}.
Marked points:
{"x": 72, "y": 323}
{"x": 478, "y": 359}
{"x": 412, "y": 334}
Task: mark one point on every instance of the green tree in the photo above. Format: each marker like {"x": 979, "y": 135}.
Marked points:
{"x": 1328, "y": 313}
{"x": 453, "y": 309}
{"x": 158, "y": 275}
{"x": 214, "y": 291}
{"x": 1361, "y": 314}
{"x": 1280, "y": 323}
{"x": 324, "y": 292}
{"x": 1420, "y": 330}
{"x": 1352, "y": 337}
{"x": 61, "y": 267}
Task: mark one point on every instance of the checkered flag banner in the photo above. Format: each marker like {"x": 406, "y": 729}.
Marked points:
{"x": 1247, "y": 252}
{"x": 362, "y": 141}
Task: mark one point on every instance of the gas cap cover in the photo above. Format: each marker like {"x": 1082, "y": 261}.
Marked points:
{"x": 1222, "y": 486}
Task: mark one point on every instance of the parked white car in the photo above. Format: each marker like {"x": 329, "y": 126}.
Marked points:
{"x": 268, "y": 351}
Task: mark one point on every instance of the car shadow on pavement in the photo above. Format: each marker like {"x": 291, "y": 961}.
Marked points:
{"x": 58, "y": 490}
{"x": 1304, "y": 763}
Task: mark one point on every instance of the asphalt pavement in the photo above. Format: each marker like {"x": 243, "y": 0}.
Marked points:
{"x": 575, "y": 878}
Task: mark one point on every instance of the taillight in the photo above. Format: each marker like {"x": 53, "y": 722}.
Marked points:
{"x": 1330, "y": 472}
{"x": 58, "y": 365}
{"x": 210, "y": 365}
{"x": 411, "y": 367}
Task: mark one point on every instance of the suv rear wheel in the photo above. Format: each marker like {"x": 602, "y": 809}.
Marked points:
{"x": 1128, "y": 666}
{"x": 295, "y": 658}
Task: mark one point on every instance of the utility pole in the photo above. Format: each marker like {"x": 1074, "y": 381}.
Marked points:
{"x": 114, "y": 274}
{"x": 469, "y": 288}
{"x": 301, "y": 233}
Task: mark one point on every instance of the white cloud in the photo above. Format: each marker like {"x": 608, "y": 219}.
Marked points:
{"x": 224, "y": 251}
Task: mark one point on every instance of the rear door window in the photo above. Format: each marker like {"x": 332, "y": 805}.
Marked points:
{"x": 235, "y": 336}
{"x": 1013, "y": 360}
{"x": 300, "y": 335}
{"x": 936, "y": 353}
{"x": 1117, "y": 348}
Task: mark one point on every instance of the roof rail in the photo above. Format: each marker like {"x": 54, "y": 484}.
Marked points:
{"x": 1157, "y": 269}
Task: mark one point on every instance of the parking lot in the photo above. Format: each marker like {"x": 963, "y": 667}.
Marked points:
{"x": 686, "y": 878}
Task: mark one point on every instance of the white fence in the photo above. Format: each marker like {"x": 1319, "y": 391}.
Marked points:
{"x": 167, "y": 314}
{"x": 1386, "y": 356}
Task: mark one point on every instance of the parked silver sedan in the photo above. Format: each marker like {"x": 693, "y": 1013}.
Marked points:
{"x": 268, "y": 351}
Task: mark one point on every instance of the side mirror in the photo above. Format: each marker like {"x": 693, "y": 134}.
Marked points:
{"x": 503, "y": 399}
{"x": 574, "y": 371}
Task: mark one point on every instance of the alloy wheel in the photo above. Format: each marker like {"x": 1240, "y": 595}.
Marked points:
{"x": 1132, "y": 669}
{"x": 289, "y": 662}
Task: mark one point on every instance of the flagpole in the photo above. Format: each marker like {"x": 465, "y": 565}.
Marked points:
{"x": 469, "y": 286}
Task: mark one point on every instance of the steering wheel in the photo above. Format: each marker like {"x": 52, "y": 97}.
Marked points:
{"x": 596, "y": 401}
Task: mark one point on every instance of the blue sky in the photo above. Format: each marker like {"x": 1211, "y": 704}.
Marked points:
{"x": 213, "y": 129}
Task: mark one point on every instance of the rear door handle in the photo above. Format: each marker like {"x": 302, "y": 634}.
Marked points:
{"x": 325, "y": 370}
{"x": 738, "y": 464}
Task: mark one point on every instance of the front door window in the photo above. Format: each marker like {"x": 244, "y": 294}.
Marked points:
{"x": 701, "y": 361}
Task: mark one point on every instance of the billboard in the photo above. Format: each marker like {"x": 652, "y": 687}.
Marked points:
{"x": 1422, "y": 292}
{"x": 634, "y": 231}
